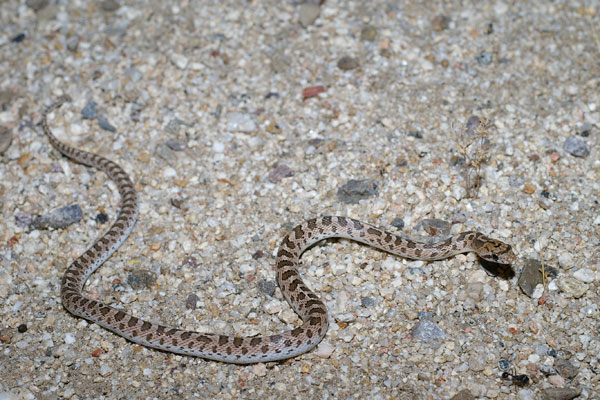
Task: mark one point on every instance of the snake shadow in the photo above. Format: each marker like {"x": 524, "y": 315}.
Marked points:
{"x": 503, "y": 271}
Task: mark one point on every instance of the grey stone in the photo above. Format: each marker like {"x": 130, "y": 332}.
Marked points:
{"x": 576, "y": 147}
{"x": 355, "y": 190}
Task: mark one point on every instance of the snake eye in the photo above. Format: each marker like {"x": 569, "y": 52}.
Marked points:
{"x": 495, "y": 257}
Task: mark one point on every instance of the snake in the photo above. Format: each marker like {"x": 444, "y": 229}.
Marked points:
{"x": 227, "y": 348}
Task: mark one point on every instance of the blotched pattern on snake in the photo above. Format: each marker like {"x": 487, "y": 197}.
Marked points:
{"x": 241, "y": 350}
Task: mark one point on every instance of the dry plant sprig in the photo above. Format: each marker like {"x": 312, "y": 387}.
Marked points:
{"x": 473, "y": 145}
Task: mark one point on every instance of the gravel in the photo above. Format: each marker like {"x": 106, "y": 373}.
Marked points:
{"x": 498, "y": 94}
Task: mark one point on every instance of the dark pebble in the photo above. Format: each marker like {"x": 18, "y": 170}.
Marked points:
{"x": 101, "y": 218}
{"x": 473, "y": 123}
{"x": 585, "y": 130}
{"x": 576, "y": 147}
{"x": 368, "y": 33}
{"x": 267, "y": 287}
{"x": 22, "y": 219}
{"x": 357, "y": 189}
{"x": 367, "y": 301}
{"x": 110, "y": 5}
{"x": 191, "y": 302}
{"x": 484, "y": 58}
{"x": 19, "y": 38}
{"x": 531, "y": 276}
{"x": 397, "y": 223}
{"x": 258, "y": 254}
{"x": 415, "y": 134}
{"x": 5, "y": 139}
{"x": 58, "y": 218}
{"x": 89, "y": 111}
{"x": 347, "y": 63}
{"x": 22, "y": 328}
{"x": 440, "y": 23}
{"x": 141, "y": 279}
{"x": 464, "y": 394}
{"x": 176, "y": 202}
{"x": 104, "y": 124}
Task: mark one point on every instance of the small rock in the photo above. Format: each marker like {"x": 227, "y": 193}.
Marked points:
{"x": 89, "y": 111}
{"x": 347, "y": 63}
{"x": 368, "y": 33}
{"x": 175, "y": 145}
{"x": 104, "y": 124}
{"x": 585, "y": 275}
{"x": 259, "y": 369}
{"x": 464, "y": 394}
{"x": 565, "y": 260}
{"x": 355, "y": 190}
{"x": 267, "y": 287}
{"x": 560, "y": 393}
{"x": 308, "y": 13}
{"x": 565, "y": 368}
{"x": 6, "y": 335}
{"x": 101, "y": 218}
{"x": 240, "y": 122}
{"x": 435, "y": 226}
{"x": 324, "y": 349}
{"x": 69, "y": 338}
{"x": 576, "y": 147}
{"x": 572, "y": 287}
{"x": 531, "y": 276}
{"x": 397, "y": 223}
{"x": 36, "y": 5}
{"x": 485, "y": 58}
{"x": 5, "y": 139}
{"x": 18, "y": 38}
{"x": 280, "y": 172}
{"x": 22, "y": 328}
{"x": 367, "y": 301}
{"x": 58, "y": 218}
{"x": 110, "y": 5}
{"x": 473, "y": 124}
{"x": 556, "y": 381}
{"x": 192, "y": 301}
{"x": 585, "y": 130}
{"x": 141, "y": 279}
{"x": 73, "y": 44}
{"x": 179, "y": 60}
{"x": 427, "y": 331}
{"x": 440, "y": 23}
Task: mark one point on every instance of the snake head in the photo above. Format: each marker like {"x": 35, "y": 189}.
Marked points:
{"x": 493, "y": 250}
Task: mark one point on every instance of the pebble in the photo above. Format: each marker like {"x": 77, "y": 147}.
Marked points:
{"x": 73, "y": 44}
{"x": 368, "y": 33}
{"x": 572, "y": 287}
{"x": 110, "y": 5}
{"x": 367, "y": 301}
{"x": 89, "y": 111}
{"x": 556, "y": 380}
{"x": 435, "y": 226}
{"x": 560, "y": 393}
{"x": 69, "y": 338}
{"x": 104, "y": 124}
{"x": 308, "y": 14}
{"x": 484, "y": 58}
{"x": 565, "y": 368}
{"x": 565, "y": 260}
{"x": 267, "y": 287}
{"x": 346, "y": 63}
{"x": 324, "y": 349}
{"x": 464, "y": 394}
{"x": 36, "y": 5}
{"x": 141, "y": 279}
{"x": 427, "y": 331}
{"x": 259, "y": 369}
{"x": 59, "y": 218}
{"x": 576, "y": 147}
{"x": 240, "y": 122}
{"x": 191, "y": 301}
{"x": 175, "y": 145}
{"x": 5, "y": 139}
{"x": 355, "y": 190}
{"x": 280, "y": 172}
{"x": 179, "y": 60}
{"x": 585, "y": 275}
{"x": 440, "y": 23}
{"x": 530, "y": 277}
{"x": 397, "y": 223}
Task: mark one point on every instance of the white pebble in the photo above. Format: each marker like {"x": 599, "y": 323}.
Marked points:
{"x": 259, "y": 369}
{"x": 565, "y": 260}
{"x": 538, "y": 291}
{"x": 585, "y": 275}
{"x": 324, "y": 350}
{"x": 478, "y": 277}
{"x": 179, "y": 60}
{"x": 105, "y": 370}
{"x": 218, "y": 147}
{"x": 273, "y": 307}
{"x": 556, "y": 381}
{"x": 240, "y": 122}
{"x": 69, "y": 338}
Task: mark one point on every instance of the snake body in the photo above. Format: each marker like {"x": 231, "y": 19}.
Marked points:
{"x": 233, "y": 349}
